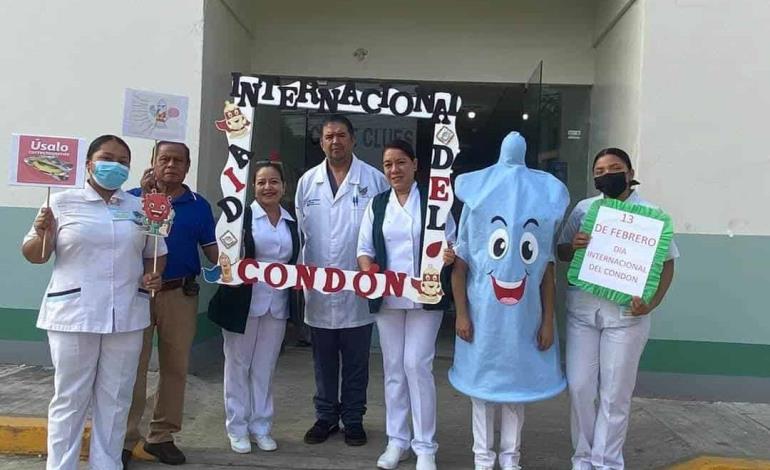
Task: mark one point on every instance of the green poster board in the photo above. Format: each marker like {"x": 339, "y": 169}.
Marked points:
{"x": 589, "y": 226}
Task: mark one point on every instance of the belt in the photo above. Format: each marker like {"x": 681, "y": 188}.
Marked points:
{"x": 172, "y": 284}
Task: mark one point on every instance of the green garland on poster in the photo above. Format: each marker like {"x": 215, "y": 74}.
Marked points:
{"x": 661, "y": 251}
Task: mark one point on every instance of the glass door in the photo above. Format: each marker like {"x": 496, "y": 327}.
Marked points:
{"x": 530, "y": 117}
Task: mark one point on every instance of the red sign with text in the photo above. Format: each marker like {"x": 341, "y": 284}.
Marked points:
{"x": 47, "y": 161}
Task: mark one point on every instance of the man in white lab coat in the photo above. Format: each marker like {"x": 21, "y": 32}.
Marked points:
{"x": 330, "y": 202}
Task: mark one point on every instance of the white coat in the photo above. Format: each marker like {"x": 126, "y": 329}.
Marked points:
{"x": 329, "y": 226}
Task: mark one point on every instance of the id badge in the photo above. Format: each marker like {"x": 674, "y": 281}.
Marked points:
{"x": 119, "y": 213}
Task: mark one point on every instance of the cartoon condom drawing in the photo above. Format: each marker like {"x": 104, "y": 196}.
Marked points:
{"x": 234, "y": 123}
{"x": 429, "y": 287}
{"x": 507, "y": 237}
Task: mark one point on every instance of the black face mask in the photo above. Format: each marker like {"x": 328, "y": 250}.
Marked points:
{"x": 611, "y": 184}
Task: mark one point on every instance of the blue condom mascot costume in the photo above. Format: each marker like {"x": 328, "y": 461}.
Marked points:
{"x": 507, "y": 236}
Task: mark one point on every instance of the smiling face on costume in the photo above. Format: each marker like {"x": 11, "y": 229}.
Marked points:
{"x": 507, "y": 245}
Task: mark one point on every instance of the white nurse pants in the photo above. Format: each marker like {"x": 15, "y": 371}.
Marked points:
{"x": 96, "y": 369}
{"x": 511, "y": 422}
{"x": 408, "y": 343}
{"x": 250, "y": 360}
{"x": 603, "y": 352}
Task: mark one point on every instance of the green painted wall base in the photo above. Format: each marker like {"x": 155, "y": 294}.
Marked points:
{"x": 684, "y": 357}
{"x": 709, "y": 358}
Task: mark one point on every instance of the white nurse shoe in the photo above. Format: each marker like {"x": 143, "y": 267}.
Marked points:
{"x": 426, "y": 462}
{"x": 391, "y": 457}
{"x": 265, "y": 442}
{"x": 240, "y": 445}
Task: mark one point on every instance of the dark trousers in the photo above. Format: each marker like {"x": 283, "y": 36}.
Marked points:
{"x": 350, "y": 348}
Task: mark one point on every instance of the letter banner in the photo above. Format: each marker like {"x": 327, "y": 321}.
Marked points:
{"x": 624, "y": 259}
{"x": 370, "y": 284}
{"x": 238, "y": 114}
{"x": 236, "y": 124}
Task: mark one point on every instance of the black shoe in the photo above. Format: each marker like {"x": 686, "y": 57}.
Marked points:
{"x": 166, "y": 452}
{"x": 301, "y": 343}
{"x": 320, "y": 431}
{"x": 355, "y": 435}
{"x": 125, "y": 457}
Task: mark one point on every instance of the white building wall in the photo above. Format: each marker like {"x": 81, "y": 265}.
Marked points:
{"x": 705, "y": 96}
{"x": 454, "y": 40}
{"x": 616, "y": 92}
{"x": 66, "y": 64}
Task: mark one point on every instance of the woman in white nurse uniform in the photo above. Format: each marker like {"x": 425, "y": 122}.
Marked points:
{"x": 604, "y": 343}
{"x": 253, "y": 316}
{"x": 391, "y": 236}
{"x": 96, "y": 306}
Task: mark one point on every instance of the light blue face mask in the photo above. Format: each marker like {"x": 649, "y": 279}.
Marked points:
{"x": 109, "y": 175}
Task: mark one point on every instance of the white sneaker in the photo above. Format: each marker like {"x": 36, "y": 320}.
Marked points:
{"x": 240, "y": 445}
{"x": 266, "y": 442}
{"x": 512, "y": 467}
{"x": 426, "y": 462}
{"x": 482, "y": 467}
{"x": 391, "y": 457}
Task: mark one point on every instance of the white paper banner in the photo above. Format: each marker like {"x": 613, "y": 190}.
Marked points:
{"x": 156, "y": 116}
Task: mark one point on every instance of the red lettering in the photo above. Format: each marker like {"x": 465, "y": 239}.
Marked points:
{"x": 230, "y": 174}
{"x": 438, "y": 188}
{"x": 268, "y": 274}
{"x": 245, "y": 263}
{"x": 305, "y": 277}
{"x": 394, "y": 283}
{"x": 329, "y": 286}
{"x": 357, "y": 281}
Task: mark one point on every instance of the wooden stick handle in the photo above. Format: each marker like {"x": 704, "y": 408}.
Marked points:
{"x": 45, "y": 234}
{"x": 155, "y": 262}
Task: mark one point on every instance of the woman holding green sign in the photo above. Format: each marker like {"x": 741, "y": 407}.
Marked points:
{"x": 605, "y": 338}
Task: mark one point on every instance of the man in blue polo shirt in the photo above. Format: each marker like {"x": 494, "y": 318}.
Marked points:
{"x": 174, "y": 309}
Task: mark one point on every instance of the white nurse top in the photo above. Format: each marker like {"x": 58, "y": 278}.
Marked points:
{"x": 401, "y": 227}
{"x": 95, "y": 286}
{"x": 271, "y": 244}
{"x": 575, "y": 220}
